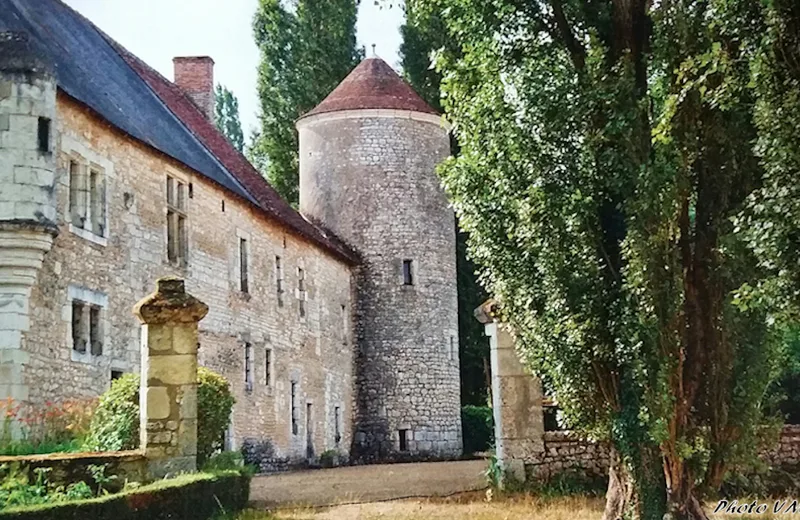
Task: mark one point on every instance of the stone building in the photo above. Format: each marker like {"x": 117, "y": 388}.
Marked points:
{"x": 336, "y": 326}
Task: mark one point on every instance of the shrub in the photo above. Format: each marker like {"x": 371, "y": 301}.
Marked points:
{"x": 214, "y": 405}
{"x": 478, "y": 427}
{"x": 256, "y": 451}
{"x": 329, "y": 459}
{"x": 116, "y": 422}
{"x": 189, "y": 497}
{"x": 115, "y": 425}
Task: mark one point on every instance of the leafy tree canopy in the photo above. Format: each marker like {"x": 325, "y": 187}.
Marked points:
{"x": 606, "y": 154}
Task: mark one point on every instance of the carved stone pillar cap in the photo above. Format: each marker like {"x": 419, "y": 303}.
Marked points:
{"x": 170, "y": 304}
{"x": 487, "y": 311}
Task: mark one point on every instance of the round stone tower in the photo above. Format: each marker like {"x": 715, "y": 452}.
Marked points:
{"x": 27, "y": 195}
{"x": 367, "y": 159}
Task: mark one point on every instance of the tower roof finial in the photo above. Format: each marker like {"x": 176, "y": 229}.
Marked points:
{"x": 374, "y": 53}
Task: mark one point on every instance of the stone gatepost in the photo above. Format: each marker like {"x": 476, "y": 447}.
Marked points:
{"x": 168, "y": 393}
{"x": 516, "y": 400}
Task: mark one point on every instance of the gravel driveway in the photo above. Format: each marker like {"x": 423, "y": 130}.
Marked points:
{"x": 354, "y": 484}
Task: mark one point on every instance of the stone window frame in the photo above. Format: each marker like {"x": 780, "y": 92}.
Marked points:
{"x": 269, "y": 369}
{"x": 411, "y": 277}
{"x": 294, "y": 419}
{"x": 89, "y": 161}
{"x": 301, "y": 291}
{"x": 249, "y": 366}
{"x": 182, "y": 213}
{"x": 248, "y": 264}
{"x": 90, "y": 299}
{"x": 279, "y": 279}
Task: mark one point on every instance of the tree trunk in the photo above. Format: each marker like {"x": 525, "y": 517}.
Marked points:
{"x": 620, "y": 496}
{"x": 635, "y": 493}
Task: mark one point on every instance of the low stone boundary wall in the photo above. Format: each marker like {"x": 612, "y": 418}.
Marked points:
{"x": 66, "y": 468}
{"x": 787, "y": 450}
{"x": 566, "y": 451}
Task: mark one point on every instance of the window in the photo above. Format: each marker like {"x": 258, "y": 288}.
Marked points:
{"x": 452, "y": 349}
{"x": 345, "y": 325}
{"x": 279, "y": 280}
{"x": 294, "y": 407}
{"x": 87, "y": 197}
{"x": 403, "y": 440}
{"x": 87, "y": 332}
{"x": 44, "y": 135}
{"x": 116, "y": 374}
{"x": 243, "y": 282}
{"x": 301, "y": 290}
{"x": 248, "y": 367}
{"x": 78, "y": 334}
{"x": 337, "y": 432}
{"x": 268, "y": 368}
{"x": 177, "y": 233}
{"x": 408, "y": 272}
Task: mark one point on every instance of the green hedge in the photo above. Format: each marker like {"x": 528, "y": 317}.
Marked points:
{"x": 188, "y": 497}
{"x": 477, "y": 424}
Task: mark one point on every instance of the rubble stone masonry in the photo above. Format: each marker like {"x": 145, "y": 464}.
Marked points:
{"x": 112, "y": 271}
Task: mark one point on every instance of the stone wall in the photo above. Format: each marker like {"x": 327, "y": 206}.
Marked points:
{"x": 116, "y": 270}
{"x": 565, "y": 451}
{"x": 368, "y": 175}
{"x": 786, "y": 451}
{"x": 66, "y": 468}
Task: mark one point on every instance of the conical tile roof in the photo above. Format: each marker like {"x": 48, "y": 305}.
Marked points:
{"x": 373, "y": 84}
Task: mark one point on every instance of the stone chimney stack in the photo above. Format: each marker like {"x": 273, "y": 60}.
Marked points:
{"x": 195, "y": 76}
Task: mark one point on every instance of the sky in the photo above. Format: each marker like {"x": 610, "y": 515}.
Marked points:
{"x": 158, "y": 30}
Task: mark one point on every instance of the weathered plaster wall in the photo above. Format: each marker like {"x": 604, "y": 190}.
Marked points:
{"x": 369, "y": 177}
{"x": 317, "y": 350}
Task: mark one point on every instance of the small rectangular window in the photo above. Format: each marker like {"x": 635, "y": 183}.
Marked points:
{"x": 177, "y": 231}
{"x": 294, "y": 407}
{"x": 337, "y": 431}
{"x": 268, "y": 368}
{"x": 403, "y": 440}
{"x": 301, "y": 290}
{"x": 77, "y": 194}
{"x": 44, "y": 135}
{"x": 452, "y": 348}
{"x": 408, "y": 272}
{"x": 97, "y": 202}
{"x": 116, "y": 374}
{"x": 244, "y": 285}
{"x": 78, "y": 325}
{"x": 345, "y": 325}
{"x": 248, "y": 366}
{"x": 279, "y": 280}
{"x": 95, "y": 331}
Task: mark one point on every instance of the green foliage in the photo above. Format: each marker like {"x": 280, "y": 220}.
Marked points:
{"x": 306, "y": 51}
{"x": 50, "y": 428}
{"x": 604, "y": 159}
{"x": 116, "y": 422}
{"x": 329, "y": 459}
{"x": 477, "y": 424}
{"x": 224, "y": 461}
{"x": 568, "y": 483}
{"x": 226, "y": 117}
{"x": 214, "y": 406}
{"x": 16, "y": 490}
{"x": 115, "y": 425}
{"x": 424, "y": 33}
{"x": 195, "y": 496}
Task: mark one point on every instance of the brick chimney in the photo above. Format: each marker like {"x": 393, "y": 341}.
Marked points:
{"x": 195, "y": 76}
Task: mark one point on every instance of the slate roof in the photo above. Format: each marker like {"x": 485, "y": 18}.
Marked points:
{"x": 373, "y": 84}
{"x": 99, "y": 73}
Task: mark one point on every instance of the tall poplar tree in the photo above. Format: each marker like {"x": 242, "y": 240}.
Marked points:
{"x": 307, "y": 47}
{"x": 606, "y": 152}
{"x": 226, "y": 116}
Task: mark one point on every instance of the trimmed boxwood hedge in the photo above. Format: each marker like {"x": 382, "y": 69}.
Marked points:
{"x": 187, "y": 497}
